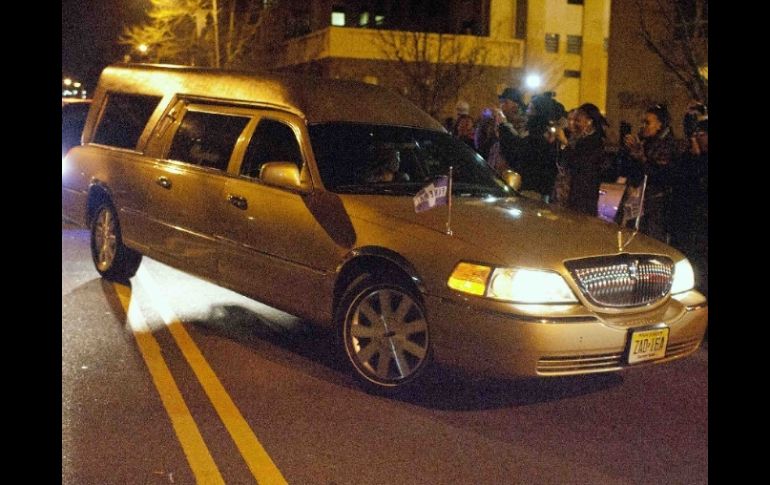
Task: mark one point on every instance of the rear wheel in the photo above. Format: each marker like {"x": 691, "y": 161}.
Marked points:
{"x": 384, "y": 332}
{"x": 113, "y": 260}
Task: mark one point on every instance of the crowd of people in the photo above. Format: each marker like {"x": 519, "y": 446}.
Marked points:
{"x": 562, "y": 159}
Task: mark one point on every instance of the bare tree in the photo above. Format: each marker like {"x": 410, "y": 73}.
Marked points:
{"x": 434, "y": 66}
{"x": 250, "y": 36}
{"x": 176, "y": 32}
{"x": 677, "y": 32}
{"x": 182, "y": 31}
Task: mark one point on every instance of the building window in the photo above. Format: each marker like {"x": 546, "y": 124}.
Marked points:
{"x": 521, "y": 20}
{"x": 571, "y": 73}
{"x": 379, "y": 20}
{"x": 552, "y": 42}
{"x": 574, "y": 44}
{"x": 371, "y": 79}
{"x": 338, "y": 17}
{"x": 574, "y": 2}
{"x": 363, "y": 19}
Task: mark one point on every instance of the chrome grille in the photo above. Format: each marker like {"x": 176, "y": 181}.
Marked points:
{"x": 622, "y": 281}
{"x": 681, "y": 349}
{"x": 579, "y": 364}
{"x": 609, "y": 362}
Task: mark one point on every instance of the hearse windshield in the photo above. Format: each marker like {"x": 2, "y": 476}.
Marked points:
{"x": 376, "y": 159}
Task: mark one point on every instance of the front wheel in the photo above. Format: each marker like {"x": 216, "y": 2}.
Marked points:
{"x": 113, "y": 260}
{"x": 384, "y": 332}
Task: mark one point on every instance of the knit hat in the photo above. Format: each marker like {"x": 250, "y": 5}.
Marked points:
{"x": 513, "y": 94}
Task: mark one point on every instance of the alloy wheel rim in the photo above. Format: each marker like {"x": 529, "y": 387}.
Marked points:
{"x": 105, "y": 240}
{"x": 388, "y": 336}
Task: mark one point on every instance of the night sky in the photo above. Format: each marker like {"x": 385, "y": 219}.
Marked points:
{"x": 89, "y": 32}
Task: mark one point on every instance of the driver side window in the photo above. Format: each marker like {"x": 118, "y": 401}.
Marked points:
{"x": 273, "y": 141}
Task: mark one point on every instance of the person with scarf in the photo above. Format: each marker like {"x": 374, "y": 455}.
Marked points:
{"x": 655, "y": 150}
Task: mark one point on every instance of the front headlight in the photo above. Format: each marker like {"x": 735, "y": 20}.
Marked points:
{"x": 511, "y": 284}
{"x": 684, "y": 277}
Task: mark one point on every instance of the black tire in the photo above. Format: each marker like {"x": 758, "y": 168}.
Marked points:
{"x": 383, "y": 334}
{"x": 112, "y": 259}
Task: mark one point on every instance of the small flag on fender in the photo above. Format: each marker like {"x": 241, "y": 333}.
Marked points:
{"x": 432, "y": 195}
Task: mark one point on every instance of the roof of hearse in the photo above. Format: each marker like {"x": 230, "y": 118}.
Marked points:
{"x": 318, "y": 100}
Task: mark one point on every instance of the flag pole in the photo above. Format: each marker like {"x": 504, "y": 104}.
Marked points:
{"x": 641, "y": 204}
{"x": 622, "y": 246}
{"x": 449, "y": 205}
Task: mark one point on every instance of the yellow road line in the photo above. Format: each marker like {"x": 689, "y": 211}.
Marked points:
{"x": 257, "y": 459}
{"x": 198, "y": 455}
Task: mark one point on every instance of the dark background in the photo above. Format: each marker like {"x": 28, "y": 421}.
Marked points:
{"x": 89, "y": 34}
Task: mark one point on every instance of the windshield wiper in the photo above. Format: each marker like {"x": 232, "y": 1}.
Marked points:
{"x": 472, "y": 190}
{"x": 355, "y": 189}
{"x": 398, "y": 188}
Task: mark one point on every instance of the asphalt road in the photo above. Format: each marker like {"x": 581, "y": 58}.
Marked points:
{"x": 174, "y": 380}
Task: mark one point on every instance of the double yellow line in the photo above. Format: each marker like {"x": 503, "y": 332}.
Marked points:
{"x": 202, "y": 464}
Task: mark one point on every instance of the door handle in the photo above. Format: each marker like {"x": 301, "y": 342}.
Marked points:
{"x": 237, "y": 201}
{"x": 163, "y": 182}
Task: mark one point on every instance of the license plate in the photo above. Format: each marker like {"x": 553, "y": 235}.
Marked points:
{"x": 648, "y": 345}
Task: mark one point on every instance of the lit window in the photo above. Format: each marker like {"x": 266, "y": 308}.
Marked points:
{"x": 552, "y": 42}
{"x": 379, "y": 20}
{"x": 363, "y": 19}
{"x": 338, "y": 18}
{"x": 371, "y": 79}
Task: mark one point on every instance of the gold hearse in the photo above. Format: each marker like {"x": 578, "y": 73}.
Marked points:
{"x": 308, "y": 194}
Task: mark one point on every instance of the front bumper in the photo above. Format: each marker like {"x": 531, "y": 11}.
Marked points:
{"x": 506, "y": 344}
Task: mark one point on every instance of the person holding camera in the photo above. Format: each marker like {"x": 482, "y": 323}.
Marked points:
{"x": 654, "y": 150}
{"x": 582, "y": 157}
{"x": 508, "y": 123}
{"x": 696, "y": 112}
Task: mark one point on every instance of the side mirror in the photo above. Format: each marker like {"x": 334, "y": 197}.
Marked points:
{"x": 512, "y": 179}
{"x": 281, "y": 174}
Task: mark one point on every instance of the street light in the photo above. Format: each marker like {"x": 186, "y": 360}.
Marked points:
{"x": 533, "y": 81}
{"x": 71, "y": 88}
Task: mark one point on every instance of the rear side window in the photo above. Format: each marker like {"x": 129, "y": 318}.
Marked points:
{"x": 207, "y": 139}
{"x": 124, "y": 119}
{"x": 273, "y": 141}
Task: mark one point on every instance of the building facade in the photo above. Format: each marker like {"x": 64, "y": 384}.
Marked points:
{"x": 493, "y": 43}
{"x": 637, "y": 78}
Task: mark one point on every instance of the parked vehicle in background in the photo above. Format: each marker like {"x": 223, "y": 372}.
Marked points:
{"x": 266, "y": 185}
{"x": 73, "y": 119}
